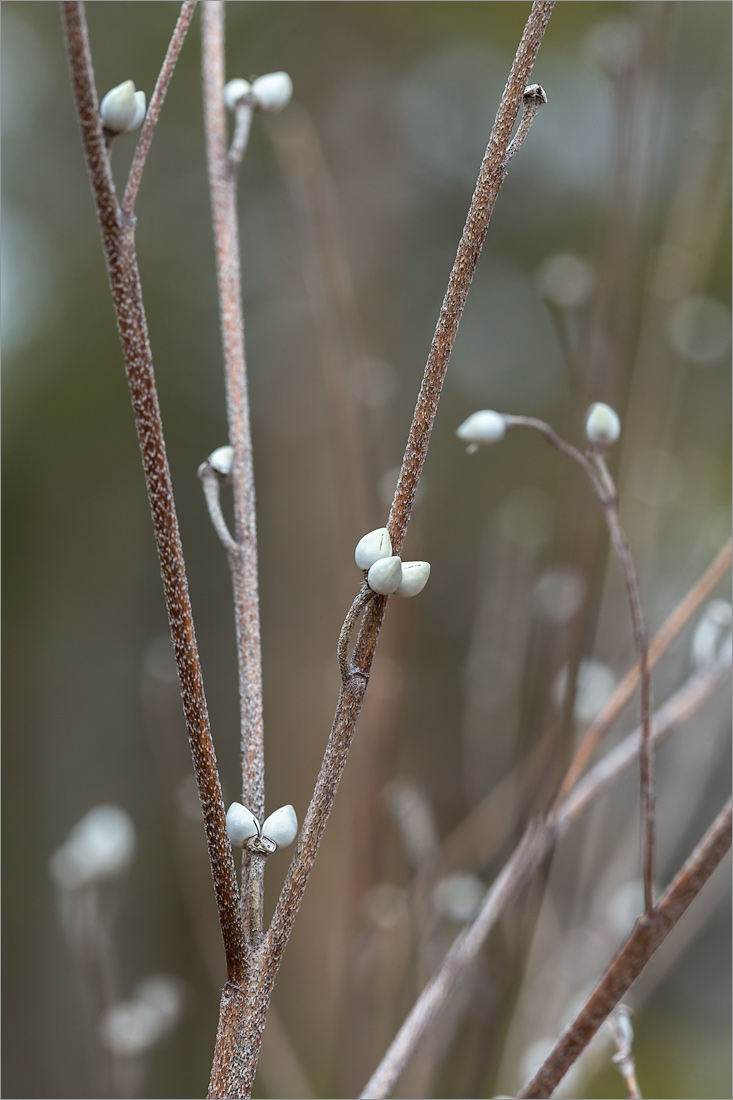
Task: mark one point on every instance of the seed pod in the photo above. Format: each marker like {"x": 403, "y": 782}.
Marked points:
{"x": 281, "y": 827}
{"x": 602, "y": 425}
{"x": 241, "y": 824}
{"x": 273, "y": 91}
{"x": 482, "y": 428}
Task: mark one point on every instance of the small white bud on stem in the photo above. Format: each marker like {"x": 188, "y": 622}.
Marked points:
{"x": 414, "y": 578}
{"x": 372, "y": 547}
{"x": 122, "y": 109}
{"x": 602, "y": 426}
{"x": 273, "y": 91}
{"x": 385, "y": 576}
{"x": 481, "y": 429}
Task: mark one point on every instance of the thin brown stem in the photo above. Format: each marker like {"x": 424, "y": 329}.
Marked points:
{"x": 623, "y": 553}
{"x": 594, "y": 466}
{"x": 118, "y": 241}
{"x": 660, "y": 642}
{"x": 255, "y": 889}
{"x": 647, "y": 935}
{"x": 491, "y": 176}
{"x": 360, "y": 601}
{"x": 537, "y": 842}
{"x": 156, "y": 102}
{"x": 222, "y": 182}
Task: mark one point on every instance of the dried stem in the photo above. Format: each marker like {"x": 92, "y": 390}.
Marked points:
{"x": 242, "y": 125}
{"x": 660, "y": 642}
{"x": 222, "y": 182}
{"x": 648, "y": 933}
{"x": 211, "y": 482}
{"x": 621, "y": 549}
{"x": 156, "y": 102}
{"x": 534, "y": 97}
{"x": 351, "y": 696}
{"x": 361, "y": 599}
{"x": 118, "y": 240}
{"x": 595, "y": 468}
{"x": 535, "y": 845}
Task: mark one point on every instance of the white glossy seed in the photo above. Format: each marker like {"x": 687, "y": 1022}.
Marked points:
{"x": 221, "y": 460}
{"x": 414, "y": 578}
{"x": 482, "y": 428}
{"x": 241, "y": 824}
{"x": 372, "y": 547}
{"x": 602, "y": 424}
{"x": 118, "y": 108}
{"x": 273, "y": 91}
{"x": 385, "y": 576}
{"x": 234, "y": 91}
{"x": 281, "y": 826}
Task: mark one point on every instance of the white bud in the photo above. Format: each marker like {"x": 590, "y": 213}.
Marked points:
{"x": 372, "y": 547}
{"x": 712, "y": 633}
{"x": 272, "y": 91}
{"x": 119, "y": 107}
{"x": 385, "y": 576}
{"x": 482, "y": 429}
{"x": 99, "y": 847}
{"x": 281, "y": 827}
{"x": 139, "y": 112}
{"x": 602, "y": 424}
{"x": 414, "y": 578}
{"x": 234, "y": 91}
{"x": 241, "y": 824}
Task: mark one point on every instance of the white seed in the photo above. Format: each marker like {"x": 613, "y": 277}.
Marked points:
{"x": 414, "y": 578}
{"x": 119, "y": 107}
{"x": 385, "y": 576}
{"x": 273, "y": 91}
{"x": 373, "y": 547}
{"x": 241, "y": 824}
{"x": 482, "y": 428}
{"x": 221, "y": 460}
{"x": 139, "y": 112}
{"x": 281, "y": 827}
{"x": 602, "y": 424}
{"x": 234, "y": 91}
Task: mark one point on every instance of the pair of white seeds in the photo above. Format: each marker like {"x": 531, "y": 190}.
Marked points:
{"x": 123, "y": 108}
{"x": 277, "y": 831}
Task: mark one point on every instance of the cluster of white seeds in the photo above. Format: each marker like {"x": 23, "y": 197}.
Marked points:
{"x": 270, "y": 92}
{"x": 277, "y": 831}
{"x": 387, "y": 574}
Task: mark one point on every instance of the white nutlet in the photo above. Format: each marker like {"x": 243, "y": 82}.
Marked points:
{"x": 602, "y": 425}
{"x": 414, "y": 578}
{"x": 123, "y": 109}
{"x": 220, "y": 462}
{"x": 273, "y": 91}
{"x": 234, "y": 91}
{"x": 482, "y": 428}
{"x": 385, "y": 576}
{"x": 374, "y": 546}
{"x": 241, "y": 824}
{"x": 281, "y": 827}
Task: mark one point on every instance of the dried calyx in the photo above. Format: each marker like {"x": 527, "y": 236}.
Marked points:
{"x": 277, "y": 831}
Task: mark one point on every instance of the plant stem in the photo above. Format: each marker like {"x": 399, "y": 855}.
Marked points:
{"x": 119, "y": 247}
{"x": 222, "y": 182}
{"x": 648, "y": 933}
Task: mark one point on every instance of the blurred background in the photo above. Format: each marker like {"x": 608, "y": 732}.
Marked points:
{"x": 605, "y": 276}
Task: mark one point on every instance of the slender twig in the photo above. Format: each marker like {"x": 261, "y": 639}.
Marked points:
{"x": 489, "y": 182}
{"x": 361, "y": 599}
{"x": 222, "y": 182}
{"x": 211, "y": 483}
{"x": 255, "y": 888}
{"x": 619, "y": 1025}
{"x": 534, "y": 97}
{"x": 648, "y": 933}
{"x": 156, "y": 102}
{"x": 118, "y": 241}
{"x": 660, "y": 642}
{"x": 536, "y": 843}
{"x": 623, "y": 553}
{"x": 595, "y": 468}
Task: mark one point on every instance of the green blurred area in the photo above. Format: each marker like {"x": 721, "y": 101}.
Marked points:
{"x": 392, "y": 109}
